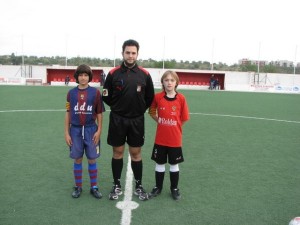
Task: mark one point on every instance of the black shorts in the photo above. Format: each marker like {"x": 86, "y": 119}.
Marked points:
{"x": 161, "y": 154}
{"x": 122, "y": 129}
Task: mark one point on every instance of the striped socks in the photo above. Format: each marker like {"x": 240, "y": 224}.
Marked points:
{"x": 77, "y": 169}
{"x": 93, "y": 172}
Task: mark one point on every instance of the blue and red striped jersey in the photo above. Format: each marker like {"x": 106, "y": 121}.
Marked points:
{"x": 83, "y": 105}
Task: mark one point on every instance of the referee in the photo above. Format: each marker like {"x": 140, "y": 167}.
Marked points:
{"x": 129, "y": 91}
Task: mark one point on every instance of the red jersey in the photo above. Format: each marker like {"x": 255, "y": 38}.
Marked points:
{"x": 171, "y": 112}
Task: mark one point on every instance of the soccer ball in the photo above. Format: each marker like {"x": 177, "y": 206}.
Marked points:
{"x": 295, "y": 221}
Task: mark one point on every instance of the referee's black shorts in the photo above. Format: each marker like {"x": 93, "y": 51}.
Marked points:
{"x": 122, "y": 129}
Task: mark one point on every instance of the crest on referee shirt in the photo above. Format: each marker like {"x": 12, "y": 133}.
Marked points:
{"x": 105, "y": 92}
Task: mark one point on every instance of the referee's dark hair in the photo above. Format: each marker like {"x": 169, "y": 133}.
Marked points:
{"x": 83, "y": 69}
{"x": 130, "y": 42}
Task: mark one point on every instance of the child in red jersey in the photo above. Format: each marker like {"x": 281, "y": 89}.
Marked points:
{"x": 82, "y": 134}
{"x": 170, "y": 110}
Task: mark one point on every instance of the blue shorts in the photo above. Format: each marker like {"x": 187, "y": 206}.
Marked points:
{"x": 82, "y": 139}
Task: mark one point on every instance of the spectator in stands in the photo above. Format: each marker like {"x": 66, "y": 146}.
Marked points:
{"x": 211, "y": 82}
{"x": 102, "y": 78}
{"x": 67, "y": 80}
{"x": 216, "y": 84}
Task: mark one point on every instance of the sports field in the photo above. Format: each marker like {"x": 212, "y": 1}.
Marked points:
{"x": 242, "y": 154}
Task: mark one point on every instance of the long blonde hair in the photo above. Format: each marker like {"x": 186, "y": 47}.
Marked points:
{"x": 173, "y": 74}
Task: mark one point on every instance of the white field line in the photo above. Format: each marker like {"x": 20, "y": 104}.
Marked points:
{"x": 246, "y": 117}
{"x": 32, "y": 110}
{"x": 204, "y": 114}
{"x": 127, "y": 205}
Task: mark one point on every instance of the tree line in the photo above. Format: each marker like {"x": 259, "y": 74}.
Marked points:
{"x": 148, "y": 63}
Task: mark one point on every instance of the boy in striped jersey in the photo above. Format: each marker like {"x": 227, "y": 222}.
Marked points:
{"x": 82, "y": 134}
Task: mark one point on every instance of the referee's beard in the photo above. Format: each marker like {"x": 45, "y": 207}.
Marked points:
{"x": 129, "y": 65}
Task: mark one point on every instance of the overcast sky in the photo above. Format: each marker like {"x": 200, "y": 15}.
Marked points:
{"x": 212, "y": 30}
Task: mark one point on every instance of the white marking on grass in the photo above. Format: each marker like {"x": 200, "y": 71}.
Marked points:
{"x": 32, "y": 110}
{"x": 246, "y": 117}
{"x": 127, "y": 205}
{"x": 205, "y": 114}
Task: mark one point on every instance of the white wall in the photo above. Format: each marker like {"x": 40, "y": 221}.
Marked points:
{"x": 8, "y": 73}
{"x": 234, "y": 81}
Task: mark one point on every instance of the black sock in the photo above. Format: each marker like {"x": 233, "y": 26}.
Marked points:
{"x": 159, "y": 178}
{"x": 174, "y": 178}
{"x": 137, "y": 169}
{"x": 117, "y": 166}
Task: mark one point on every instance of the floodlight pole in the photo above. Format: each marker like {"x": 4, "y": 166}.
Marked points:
{"x": 212, "y": 54}
{"x": 22, "y": 65}
{"x": 114, "y": 50}
{"x": 258, "y": 58}
{"x": 295, "y": 60}
{"x": 66, "y": 63}
{"x": 164, "y": 53}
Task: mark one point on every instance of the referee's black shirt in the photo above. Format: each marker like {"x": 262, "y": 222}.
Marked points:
{"x": 128, "y": 91}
